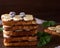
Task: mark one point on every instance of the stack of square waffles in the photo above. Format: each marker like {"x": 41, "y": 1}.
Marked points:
{"x": 19, "y": 31}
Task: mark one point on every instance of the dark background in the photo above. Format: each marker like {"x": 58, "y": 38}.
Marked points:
{"x": 43, "y": 9}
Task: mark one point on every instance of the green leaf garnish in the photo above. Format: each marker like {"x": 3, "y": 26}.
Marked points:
{"x": 43, "y": 38}
{"x": 52, "y": 23}
{"x": 48, "y": 23}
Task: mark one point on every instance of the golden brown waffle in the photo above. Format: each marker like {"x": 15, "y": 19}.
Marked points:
{"x": 24, "y": 27}
{"x": 23, "y": 33}
{"x": 21, "y": 44}
{"x": 11, "y": 23}
{"x": 18, "y": 39}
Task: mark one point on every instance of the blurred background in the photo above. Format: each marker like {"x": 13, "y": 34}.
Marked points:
{"x": 42, "y": 9}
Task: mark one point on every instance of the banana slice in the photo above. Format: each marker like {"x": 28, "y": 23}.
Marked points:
{"x": 58, "y": 28}
{"x": 28, "y": 17}
{"x": 17, "y": 18}
{"x": 6, "y": 17}
{"x": 52, "y": 28}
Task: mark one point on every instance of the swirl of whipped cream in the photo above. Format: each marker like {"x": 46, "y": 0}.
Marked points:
{"x": 17, "y": 18}
{"x": 6, "y": 17}
{"x": 28, "y": 17}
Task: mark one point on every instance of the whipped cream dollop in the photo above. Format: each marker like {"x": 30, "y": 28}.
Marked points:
{"x": 6, "y": 17}
{"x": 28, "y": 17}
{"x": 17, "y": 18}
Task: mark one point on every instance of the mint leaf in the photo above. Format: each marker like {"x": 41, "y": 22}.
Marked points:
{"x": 45, "y": 24}
{"x": 52, "y": 23}
{"x": 48, "y": 23}
{"x": 47, "y": 38}
{"x": 39, "y": 34}
{"x": 41, "y": 42}
{"x": 43, "y": 38}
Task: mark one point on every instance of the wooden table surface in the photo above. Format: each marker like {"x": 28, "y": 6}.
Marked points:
{"x": 54, "y": 42}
